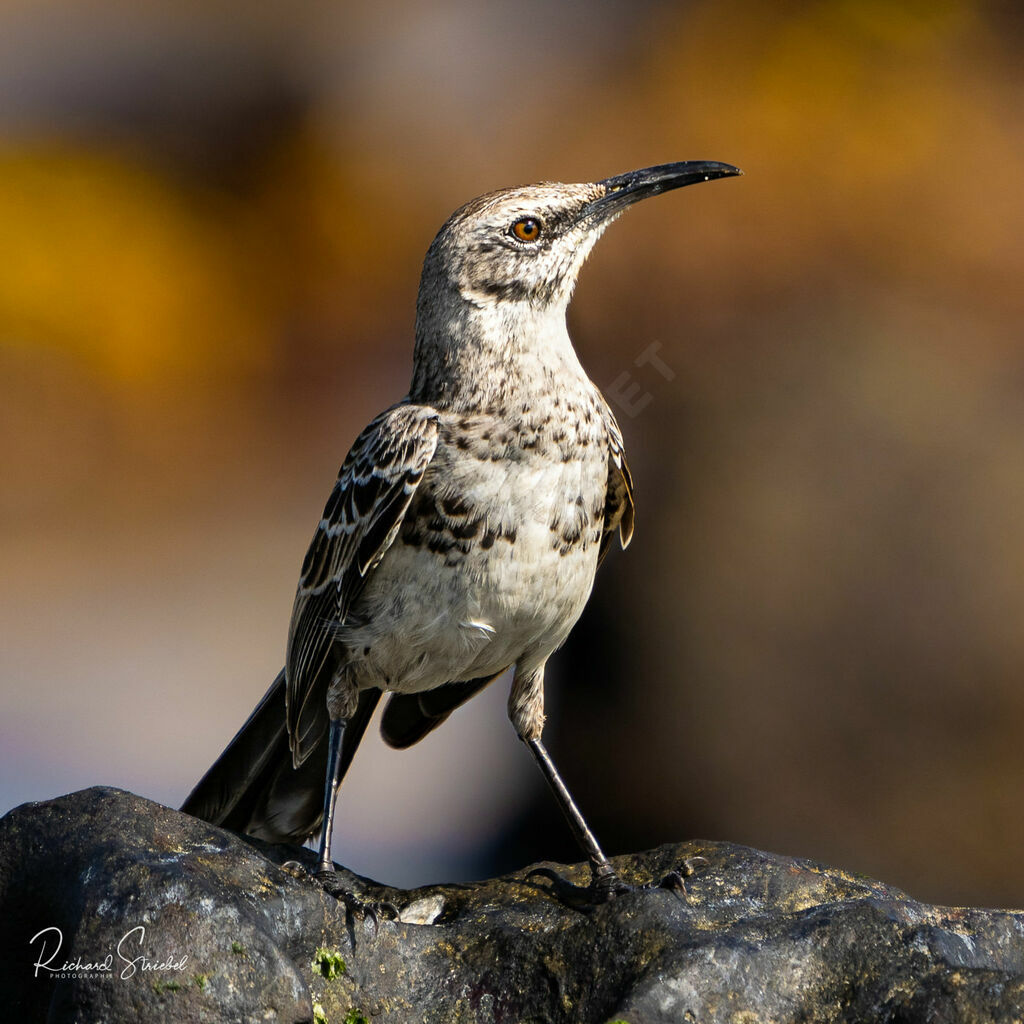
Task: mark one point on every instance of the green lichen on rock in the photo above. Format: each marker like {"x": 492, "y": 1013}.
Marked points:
{"x": 355, "y": 1016}
{"x": 329, "y": 963}
{"x": 319, "y": 1017}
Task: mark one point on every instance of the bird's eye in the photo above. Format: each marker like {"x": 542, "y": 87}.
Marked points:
{"x": 526, "y": 229}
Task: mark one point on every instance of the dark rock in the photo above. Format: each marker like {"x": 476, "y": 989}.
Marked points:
{"x": 230, "y": 935}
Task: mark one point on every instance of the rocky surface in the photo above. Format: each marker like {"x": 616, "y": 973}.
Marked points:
{"x": 164, "y": 918}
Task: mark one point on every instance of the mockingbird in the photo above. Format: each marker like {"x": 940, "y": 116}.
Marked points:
{"x": 466, "y": 525}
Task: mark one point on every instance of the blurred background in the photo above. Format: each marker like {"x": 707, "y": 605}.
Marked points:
{"x": 212, "y": 220}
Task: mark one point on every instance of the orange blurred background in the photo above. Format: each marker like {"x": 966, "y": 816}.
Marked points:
{"x": 212, "y": 220}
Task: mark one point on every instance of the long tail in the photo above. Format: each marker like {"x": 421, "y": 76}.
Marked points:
{"x": 253, "y": 786}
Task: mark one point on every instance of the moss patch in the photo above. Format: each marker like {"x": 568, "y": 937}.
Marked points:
{"x": 329, "y": 963}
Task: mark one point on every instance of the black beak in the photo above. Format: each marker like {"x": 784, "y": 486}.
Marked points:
{"x": 625, "y": 189}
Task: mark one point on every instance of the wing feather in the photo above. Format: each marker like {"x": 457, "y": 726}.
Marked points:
{"x": 360, "y": 522}
{"x": 408, "y": 717}
{"x": 620, "y": 509}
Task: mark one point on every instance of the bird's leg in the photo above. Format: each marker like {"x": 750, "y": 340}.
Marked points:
{"x": 336, "y": 736}
{"x": 325, "y": 872}
{"x": 605, "y": 884}
{"x": 603, "y": 880}
{"x": 342, "y": 704}
{"x": 348, "y": 714}
{"x": 526, "y": 709}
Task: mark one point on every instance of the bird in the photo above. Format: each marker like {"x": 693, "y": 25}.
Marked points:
{"x": 466, "y": 525}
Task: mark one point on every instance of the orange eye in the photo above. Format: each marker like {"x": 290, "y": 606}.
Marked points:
{"x": 527, "y": 229}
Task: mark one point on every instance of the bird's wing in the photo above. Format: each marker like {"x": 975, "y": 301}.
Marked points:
{"x": 360, "y": 521}
{"x": 619, "y": 510}
{"x": 408, "y": 717}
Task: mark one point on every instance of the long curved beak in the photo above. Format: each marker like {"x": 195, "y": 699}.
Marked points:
{"x": 625, "y": 189}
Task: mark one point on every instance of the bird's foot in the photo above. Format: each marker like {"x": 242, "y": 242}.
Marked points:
{"x": 605, "y": 885}
{"x": 295, "y": 868}
{"x": 334, "y": 885}
{"x": 673, "y": 881}
{"x": 367, "y": 910}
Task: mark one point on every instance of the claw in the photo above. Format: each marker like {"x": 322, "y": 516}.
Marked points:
{"x": 605, "y": 886}
{"x": 602, "y": 889}
{"x": 690, "y": 865}
{"x": 356, "y": 906}
{"x": 575, "y": 896}
{"x": 673, "y": 881}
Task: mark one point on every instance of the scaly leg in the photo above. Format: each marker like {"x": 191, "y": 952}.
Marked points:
{"x": 526, "y": 709}
{"x": 331, "y": 783}
{"x": 604, "y": 883}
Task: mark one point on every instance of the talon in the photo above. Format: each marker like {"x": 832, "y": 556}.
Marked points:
{"x": 609, "y": 885}
{"x": 393, "y": 913}
{"x": 295, "y": 868}
{"x": 602, "y": 889}
{"x": 356, "y": 906}
{"x": 673, "y": 881}
{"x": 691, "y": 863}
{"x": 365, "y": 913}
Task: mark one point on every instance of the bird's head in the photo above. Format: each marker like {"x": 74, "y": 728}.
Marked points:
{"x": 527, "y": 244}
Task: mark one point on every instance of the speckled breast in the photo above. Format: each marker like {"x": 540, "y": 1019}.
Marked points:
{"x": 497, "y": 553}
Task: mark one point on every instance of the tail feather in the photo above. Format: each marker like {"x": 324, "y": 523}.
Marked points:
{"x": 256, "y": 747}
{"x": 253, "y": 786}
